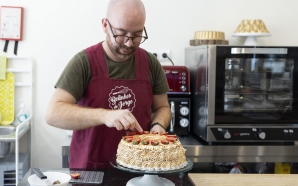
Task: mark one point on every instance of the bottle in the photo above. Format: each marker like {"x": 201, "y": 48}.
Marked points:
{"x": 22, "y": 116}
{"x": 263, "y": 169}
{"x": 236, "y": 169}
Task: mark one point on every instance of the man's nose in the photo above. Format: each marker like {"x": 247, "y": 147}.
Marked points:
{"x": 129, "y": 42}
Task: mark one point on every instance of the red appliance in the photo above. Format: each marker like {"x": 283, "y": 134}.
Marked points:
{"x": 178, "y": 79}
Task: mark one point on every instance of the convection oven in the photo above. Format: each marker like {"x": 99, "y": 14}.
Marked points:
{"x": 244, "y": 93}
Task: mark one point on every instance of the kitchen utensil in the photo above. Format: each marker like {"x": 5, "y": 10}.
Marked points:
{"x": 86, "y": 177}
{"x": 7, "y": 99}
{"x": 42, "y": 176}
{"x": 64, "y": 179}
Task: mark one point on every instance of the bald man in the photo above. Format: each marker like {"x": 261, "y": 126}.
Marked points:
{"x": 110, "y": 88}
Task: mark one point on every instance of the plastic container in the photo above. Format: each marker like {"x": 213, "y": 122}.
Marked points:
{"x": 22, "y": 116}
{"x": 282, "y": 168}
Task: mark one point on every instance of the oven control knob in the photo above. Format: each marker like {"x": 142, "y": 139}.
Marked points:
{"x": 183, "y": 88}
{"x": 262, "y": 135}
{"x": 184, "y": 122}
{"x": 227, "y": 135}
{"x": 184, "y": 111}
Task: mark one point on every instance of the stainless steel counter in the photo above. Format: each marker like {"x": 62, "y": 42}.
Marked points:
{"x": 199, "y": 151}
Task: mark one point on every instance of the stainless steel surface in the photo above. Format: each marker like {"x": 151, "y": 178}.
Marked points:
{"x": 199, "y": 151}
{"x": 6, "y": 130}
{"x": 259, "y": 50}
{"x": 65, "y": 147}
{"x": 9, "y": 136}
{"x": 6, "y": 147}
{"x": 172, "y": 104}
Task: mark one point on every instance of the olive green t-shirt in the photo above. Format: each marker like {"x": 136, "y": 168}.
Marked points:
{"x": 77, "y": 74}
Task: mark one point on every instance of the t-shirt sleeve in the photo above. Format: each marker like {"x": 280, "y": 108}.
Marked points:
{"x": 158, "y": 78}
{"x": 75, "y": 76}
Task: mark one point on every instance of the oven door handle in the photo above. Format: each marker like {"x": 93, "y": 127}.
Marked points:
{"x": 173, "y": 116}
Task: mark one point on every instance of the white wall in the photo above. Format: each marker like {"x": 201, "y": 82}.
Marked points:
{"x": 55, "y": 30}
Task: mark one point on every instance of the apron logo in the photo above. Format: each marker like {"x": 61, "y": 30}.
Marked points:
{"x": 122, "y": 98}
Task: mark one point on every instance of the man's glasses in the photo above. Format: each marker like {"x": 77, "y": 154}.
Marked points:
{"x": 123, "y": 39}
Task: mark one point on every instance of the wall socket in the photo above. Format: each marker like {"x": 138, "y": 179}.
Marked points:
{"x": 159, "y": 53}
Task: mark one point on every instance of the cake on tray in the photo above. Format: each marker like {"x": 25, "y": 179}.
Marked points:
{"x": 252, "y": 26}
{"x": 205, "y": 37}
{"x": 151, "y": 152}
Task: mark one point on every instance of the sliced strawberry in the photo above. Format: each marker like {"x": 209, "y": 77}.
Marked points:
{"x": 135, "y": 141}
{"x": 146, "y": 132}
{"x": 164, "y": 133}
{"x": 125, "y": 137}
{"x": 140, "y": 133}
{"x": 145, "y": 142}
{"x": 154, "y": 142}
{"x": 130, "y": 133}
{"x": 129, "y": 139}
{"x": 75, "y": 175}
{"x": 172, "y": 136}
{"x": 165, "y": 142}
{"x": 170, "y": 139}
{"x": 153, "y": 132}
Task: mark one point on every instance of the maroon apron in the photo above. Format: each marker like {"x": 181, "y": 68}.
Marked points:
{"x": 93, "y": 148}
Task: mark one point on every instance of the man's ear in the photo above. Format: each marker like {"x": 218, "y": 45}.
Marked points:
{"x": 104, "y": 25}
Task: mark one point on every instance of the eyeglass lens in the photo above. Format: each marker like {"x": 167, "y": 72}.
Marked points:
{"x": 124, "y": 39}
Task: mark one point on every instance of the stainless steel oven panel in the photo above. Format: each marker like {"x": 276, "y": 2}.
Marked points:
{"x": 259, "y": 51}
{"x": 211, "y": 60}
{"x": 252, "y": 133}
{"x": 180, "y": 121}
{"x": 196, "y": 59}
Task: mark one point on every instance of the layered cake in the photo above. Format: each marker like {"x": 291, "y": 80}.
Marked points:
{"x": 252, "y": 26}
{"x": 151, "y": 152}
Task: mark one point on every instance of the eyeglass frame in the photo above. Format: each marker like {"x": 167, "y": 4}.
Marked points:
{"x": 127, "y": 37}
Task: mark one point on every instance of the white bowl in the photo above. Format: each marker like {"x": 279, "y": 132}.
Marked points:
{"x": 64, "y": 179}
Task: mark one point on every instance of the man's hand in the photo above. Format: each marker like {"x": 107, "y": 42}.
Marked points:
{"x": 122, "y": 120}
{"x": 157, "y": 128}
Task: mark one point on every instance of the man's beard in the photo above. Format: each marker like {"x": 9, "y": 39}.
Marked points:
{"x": 116, "y": 49}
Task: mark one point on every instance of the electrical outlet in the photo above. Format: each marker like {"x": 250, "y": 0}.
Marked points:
{"x": 159, "y": 53}
{"x": 161, "y": 58}
{"x": 154, "y": 52}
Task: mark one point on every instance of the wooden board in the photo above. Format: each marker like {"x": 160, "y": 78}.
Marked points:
{"x": 196, "y": 42}
{"x": 243, "y": 179}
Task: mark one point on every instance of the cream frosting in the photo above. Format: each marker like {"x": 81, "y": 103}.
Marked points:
{"x": 161, "y": 157}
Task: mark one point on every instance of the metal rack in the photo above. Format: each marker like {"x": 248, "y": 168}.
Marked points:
{"x": 22, "y": 68}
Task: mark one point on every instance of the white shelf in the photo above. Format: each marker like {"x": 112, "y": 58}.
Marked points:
{"x": 21, "y": 67}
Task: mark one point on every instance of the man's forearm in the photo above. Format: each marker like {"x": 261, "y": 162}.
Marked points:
{"x": 73, "y": 117}
{"x": 163, "y": 116}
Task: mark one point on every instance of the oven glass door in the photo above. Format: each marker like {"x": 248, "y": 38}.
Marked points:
{"x": 256, "y": 85}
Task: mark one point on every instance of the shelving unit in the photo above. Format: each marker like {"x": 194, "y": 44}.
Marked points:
{"x": 22, "y": 68}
